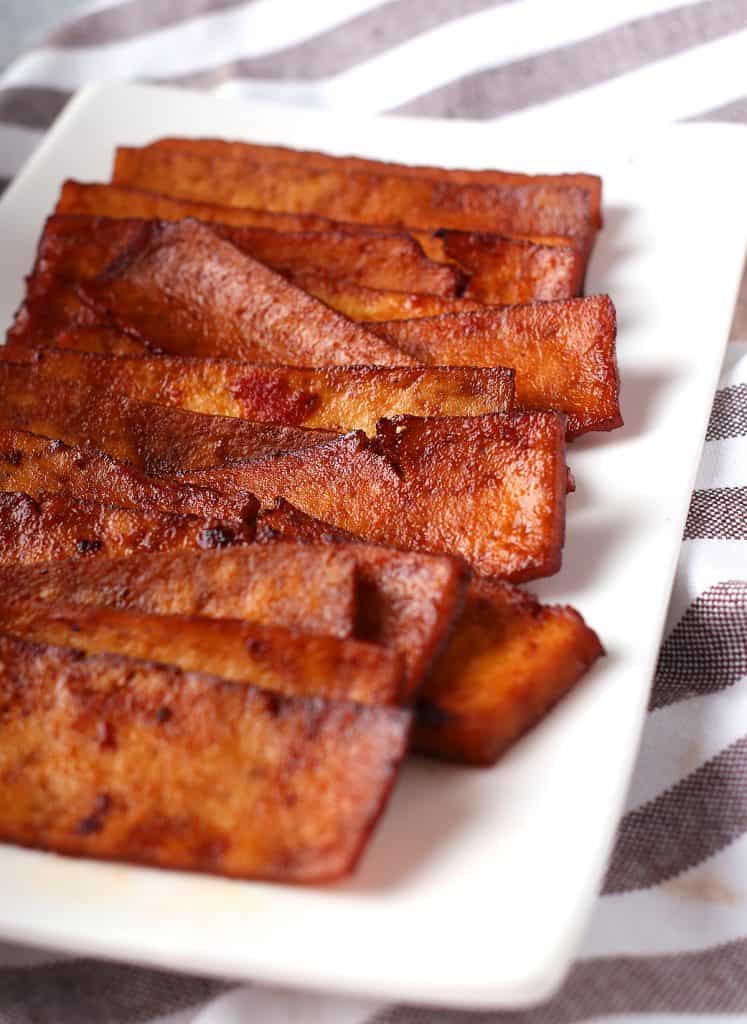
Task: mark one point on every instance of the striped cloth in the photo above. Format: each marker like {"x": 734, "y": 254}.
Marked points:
{"x": 669, "y": 934}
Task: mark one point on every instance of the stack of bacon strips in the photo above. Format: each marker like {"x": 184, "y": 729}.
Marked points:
{"x": 279, "y": 434}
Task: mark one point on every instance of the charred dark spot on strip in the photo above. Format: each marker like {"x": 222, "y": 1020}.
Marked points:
{"x": 95, "y": 820}
{"x": 86, "y": 546}
{"x": 256, "y": 647}
{"x": 216, "y": 537}
{"x": 430, "y": 716}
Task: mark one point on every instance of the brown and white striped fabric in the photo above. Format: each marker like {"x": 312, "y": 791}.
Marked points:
{"x": 669, "y": 933}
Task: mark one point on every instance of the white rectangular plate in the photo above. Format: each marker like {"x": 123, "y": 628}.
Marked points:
{"x": 478, "y": 883}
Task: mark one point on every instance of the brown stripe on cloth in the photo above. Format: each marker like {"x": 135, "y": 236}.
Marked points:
{"x": 126, "y": 20}
{"x": 343, "y": 46}
{"x": 719, "y": 513}
{"x": 328, "y": 53}
{"x": 707, "y": 981}
{"x": 92, "y": 990}
{"x": 697, "y": 817}
{"x": 707, "y": 649}
{"x": 732, "y": 113}
{"x": 547, "y": 76}
{"x": 30, "y": 106}
{"x": 729, "y": 413}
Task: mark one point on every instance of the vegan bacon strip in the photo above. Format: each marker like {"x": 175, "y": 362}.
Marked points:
{"x": 381, "y": 198}
{"x": 499, "y": 269}
{"x": 284, "y": 660}
{"x": 363, "y": 304}
{"x": 506, "y": 661}
{"x": 58, "y": 527}
{"x": 40, "y": 467}
{"x": 151, "y": 438}
{"x": 490, "y": 489}
{"x": 288, "y": 788}
{"x": 309, "y": 158}
{"x": 510, "y": 659}
{"x": 311, "y": 589}
{"x": 337, "y": 398}
{"x": 400, "y": 600}
{"x": 184, "y": 290}
{"x": 509, "y": 270}
{"x": 563, "y": 353}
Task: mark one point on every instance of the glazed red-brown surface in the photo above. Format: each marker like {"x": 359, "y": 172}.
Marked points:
{"x": 151, "y": 438}
{"x": 503, "y": 270}
{"x": 40, "y": 467}
{"x": 563, "y": 352}
{"x": 488, "y": 488}
{"x": 362, "y": 196}
{"x": 504, "y": 663}
{"x": 184, "y": 290}
{"x": 509, "y": 270}
{"x": 375, "y": 259}
{"x": 363, "y": 304}
{"x": 336, "y": 398}
{"x": 311, "y": 589}
{"x": 310, "y": 158}
{"x": 509, "y": 660}
{"x": 275, "y": 658}
{"x": 57, "y": 527}
{"x": 406, "y": 601}
{"x": 187, "y": 770}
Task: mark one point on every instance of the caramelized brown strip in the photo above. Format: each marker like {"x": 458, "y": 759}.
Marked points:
{"x": 403, "y": 601}
{"x": 309, "y": 158}
{"x": 275, "y": 658}
{"x": 370, "y": 304}
{"x": 360, "y": 196}
{"x": 40, "y": 467}
{"x": 60, "y": 308}
{"x": 508, "y": 270}
{"x": 151, "y": 438}
{"x": 103, "y": 341}
{"x": 488, "y": 488}
{"x": 502, "y": 270}
{"x": 507, "y": 660}
{"x": 186, "y": 770}
{"x": 338, "y": 398}
{"x": 74, "y": 249}
{"x": 93, "y": 199}
{"x": 406, "y": 601}
{"x": 311, "y": 589}
{"x": 59, "y": 528}
{"x": 563, "y": 353}
{"x": 374, "y": 259}
{"x": 185, "y": 291}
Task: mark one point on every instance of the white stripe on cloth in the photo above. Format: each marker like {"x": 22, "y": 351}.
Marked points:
{"x": 681, "y": 737}
{"x": 274, "y": 1005}
{"x": 16, "y": 146}
{"x": 664, "y": 91}
{"x": 457, "y": 48}
{"x": 703, "y": 562}
{"x": 250, "y": 30}
{"x": 724, "y": 464}
{"x": 702, "y": 907}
